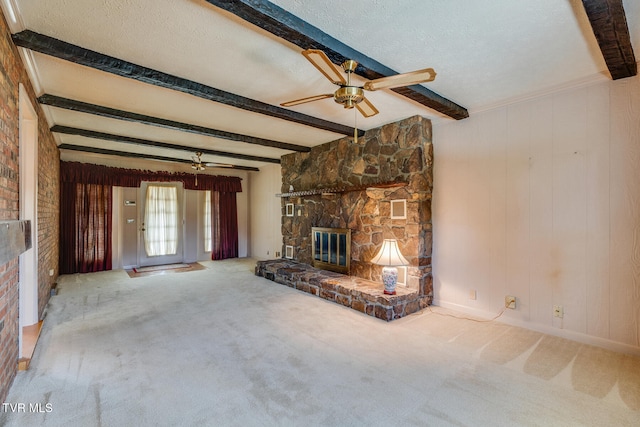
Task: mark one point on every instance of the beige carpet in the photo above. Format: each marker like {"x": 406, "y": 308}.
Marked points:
{"x": 223, "y": 347}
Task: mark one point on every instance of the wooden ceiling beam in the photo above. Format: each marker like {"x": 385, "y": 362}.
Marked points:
{"x": 67, "y": 130}
{"x": 289, "y": 27}
{"x": 79, "y": 55}
{"x": 83, "y": 107}
{"x": 609, "y": 25}
{"x": 95, "y": 150}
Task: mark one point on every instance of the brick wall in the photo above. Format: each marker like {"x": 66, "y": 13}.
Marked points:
{"x": 48, "y": 210}
{"x": 12, "y": 73}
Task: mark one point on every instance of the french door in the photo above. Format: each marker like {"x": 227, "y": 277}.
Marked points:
{"x": 162, "y": 224}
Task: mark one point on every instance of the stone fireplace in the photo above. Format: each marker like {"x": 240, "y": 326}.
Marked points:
{"x": 344, "y": 185}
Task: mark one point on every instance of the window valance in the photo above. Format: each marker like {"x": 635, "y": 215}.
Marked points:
{"x": 83, "y": 173}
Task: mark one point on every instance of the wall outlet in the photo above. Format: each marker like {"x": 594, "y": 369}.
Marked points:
{"x": 558, "y": 311}
{"x": 51, "y": 272}
{"x": 510, "y": 302}
{"x": 472, "y": 294}
{"x": 277, "y": 254}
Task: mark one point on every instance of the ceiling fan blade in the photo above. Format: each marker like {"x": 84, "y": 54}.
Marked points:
{"x": 307, "y": 99}
{"x": 406, "y": 79}
{"x": 366, "y": 108}
{"x": 218, "y": 165}
{"x": 322, "y": 62}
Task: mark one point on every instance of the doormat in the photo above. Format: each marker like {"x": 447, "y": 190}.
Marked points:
{"x": 160, "y": 267}
{"x": 165, "y": 269}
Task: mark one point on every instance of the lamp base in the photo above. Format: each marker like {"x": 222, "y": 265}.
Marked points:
{"x": 389, "y": 278}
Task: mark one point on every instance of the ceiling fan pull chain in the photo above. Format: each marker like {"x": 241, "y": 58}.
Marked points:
{"x": 355, "y": 127}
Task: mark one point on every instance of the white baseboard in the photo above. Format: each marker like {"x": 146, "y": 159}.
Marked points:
{"x": 545, "y": 329}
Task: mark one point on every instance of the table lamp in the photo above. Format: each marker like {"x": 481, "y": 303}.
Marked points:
{"x": 389, "y": 256}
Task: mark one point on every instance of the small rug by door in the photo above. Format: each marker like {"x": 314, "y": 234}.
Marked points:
{"x": 160, "y": 267}
{"x": 164, "y": 269}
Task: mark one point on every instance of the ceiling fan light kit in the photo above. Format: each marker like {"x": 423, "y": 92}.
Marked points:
{"x": 348, "y": 96}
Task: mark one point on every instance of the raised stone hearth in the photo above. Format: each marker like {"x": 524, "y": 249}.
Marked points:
{"x": 359, "y": 294}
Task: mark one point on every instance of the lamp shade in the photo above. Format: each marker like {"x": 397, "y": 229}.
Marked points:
{"x": 389, "y": 254}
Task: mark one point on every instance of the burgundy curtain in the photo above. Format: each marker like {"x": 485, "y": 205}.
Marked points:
{"x": 120, "y": 177}
{"x": 224, "y": 224}
{"x": 85, "y": 231}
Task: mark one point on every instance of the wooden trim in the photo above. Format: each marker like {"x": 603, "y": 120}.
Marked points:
{"x": 112, "y": 113}
{"x": 79, "y": 55}
{"x": 138, "y": 155}
{"x": 30, "y": 336}
{"x": 289, "y": 27}
{"x": 609, "y": 25}
{"x": 138, "y": 141}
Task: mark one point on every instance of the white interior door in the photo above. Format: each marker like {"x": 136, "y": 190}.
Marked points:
{"x": 28, "y": 288}
{"x": 161, "y": 223}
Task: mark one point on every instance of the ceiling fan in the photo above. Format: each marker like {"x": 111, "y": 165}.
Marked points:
{"x": 353, "y": 96}
{"x": 198, "y": 165}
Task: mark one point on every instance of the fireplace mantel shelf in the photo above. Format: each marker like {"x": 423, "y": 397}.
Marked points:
{"x": 335, "y": 190}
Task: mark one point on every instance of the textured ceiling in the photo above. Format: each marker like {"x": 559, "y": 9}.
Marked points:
{"x": 486, "y": 53}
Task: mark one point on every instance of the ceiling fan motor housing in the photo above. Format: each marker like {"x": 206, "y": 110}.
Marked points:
{"x": 348, "y": 96}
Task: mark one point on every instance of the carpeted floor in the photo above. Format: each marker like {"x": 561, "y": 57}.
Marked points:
{"x": 223, "y": 347}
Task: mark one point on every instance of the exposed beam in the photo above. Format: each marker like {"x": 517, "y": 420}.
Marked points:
{"x": 283, "y": 24}
{"x": 609, "y": 25}
{"x": 137, "y": 155}
{"x": 138, "y": 141}
{"x": 79, "y": 55}
{"x": 83, "y": 107}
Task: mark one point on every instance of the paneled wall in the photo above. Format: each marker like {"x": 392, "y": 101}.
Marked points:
{"x": 265, "y": 230}
{"x": 541, "y": 200}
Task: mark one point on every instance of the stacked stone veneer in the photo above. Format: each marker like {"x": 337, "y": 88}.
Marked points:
{"x": 397, "y": 152}
{"x": 12, "y": 74}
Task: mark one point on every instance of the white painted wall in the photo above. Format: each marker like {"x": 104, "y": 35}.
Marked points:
{"x": 541, "y": 200}
{"x": 266, "y": 213}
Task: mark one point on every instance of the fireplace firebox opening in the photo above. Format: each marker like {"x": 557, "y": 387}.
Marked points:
{"x": 331, "y": 249}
